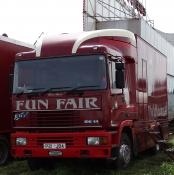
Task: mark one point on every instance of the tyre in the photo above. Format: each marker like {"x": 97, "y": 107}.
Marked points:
{"x": 4, "y": 150}
{"x": 124, "y": 153}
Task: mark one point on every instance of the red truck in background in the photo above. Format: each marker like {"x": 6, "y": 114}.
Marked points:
{"x": 91, "y": 95}
{"x": 8, "y": 50}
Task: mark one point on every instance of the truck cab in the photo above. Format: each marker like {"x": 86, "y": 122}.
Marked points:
{"x": 76, "y": 97}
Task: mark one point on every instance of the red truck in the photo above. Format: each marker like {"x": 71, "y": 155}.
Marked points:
{"x": 92, "y": 95}
{"x": 8, "y": 50}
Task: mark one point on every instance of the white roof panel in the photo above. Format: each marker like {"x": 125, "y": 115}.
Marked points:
{"x": 106, "y": 32}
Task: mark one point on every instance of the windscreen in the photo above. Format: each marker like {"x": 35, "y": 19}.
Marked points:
{"x": 60, "y": 74}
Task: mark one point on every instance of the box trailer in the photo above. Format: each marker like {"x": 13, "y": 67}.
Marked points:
{"x": 8, "y": 50}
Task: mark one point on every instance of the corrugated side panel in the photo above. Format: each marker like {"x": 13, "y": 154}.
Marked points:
{"x": 145, "y": 31}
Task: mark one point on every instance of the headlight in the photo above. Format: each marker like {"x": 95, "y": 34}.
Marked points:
{"x": 93, "y": 140}
{"x": 21, "y": 141}
{"x": 97, "y": 141}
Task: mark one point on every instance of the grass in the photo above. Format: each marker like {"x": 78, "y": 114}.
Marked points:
{"x": 146, "y": 164}
{"x": 171, "y": 141}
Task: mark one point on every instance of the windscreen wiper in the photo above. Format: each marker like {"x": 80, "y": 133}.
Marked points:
{"x": 34, "y": 90}
{"x": 54, "y": 89}
{"x": 28, "y": 91}
{"x": 21, "y": 91}
{"x": 43, "y": 90}
{"x": 77, "y": 88}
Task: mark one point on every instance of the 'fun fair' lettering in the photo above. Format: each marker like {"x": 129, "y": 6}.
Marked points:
{"x": 58, "y": 104}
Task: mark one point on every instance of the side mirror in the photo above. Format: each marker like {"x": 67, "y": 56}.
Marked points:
{"x": 119, "y": 66}
{"x": 119, "y": 75}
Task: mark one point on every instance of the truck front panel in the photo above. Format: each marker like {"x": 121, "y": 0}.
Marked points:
{"x": 68, "y": 145}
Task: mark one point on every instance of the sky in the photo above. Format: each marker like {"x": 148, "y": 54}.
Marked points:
{"x": 162, "y": 12}
{"x": 25, "y": 20}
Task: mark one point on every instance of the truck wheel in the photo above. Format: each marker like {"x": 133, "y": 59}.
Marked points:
{"x": 124, "y": 154}
{"x": 4, "y": 150}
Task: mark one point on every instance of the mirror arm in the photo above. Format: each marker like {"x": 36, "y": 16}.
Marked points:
{"x": 114, "y": 58}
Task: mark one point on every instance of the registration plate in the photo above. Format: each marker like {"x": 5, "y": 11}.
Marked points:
{"x": 54, "y": 146}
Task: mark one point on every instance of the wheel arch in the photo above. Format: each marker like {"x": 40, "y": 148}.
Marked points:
{"x": 127, "y": 130}
{"x": 126, "y": 127}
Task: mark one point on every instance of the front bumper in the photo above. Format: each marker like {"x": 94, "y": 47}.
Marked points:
{"x": 76, "y": 145}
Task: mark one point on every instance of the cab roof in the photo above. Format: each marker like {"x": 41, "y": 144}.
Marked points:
{"x": 99, "y": 33}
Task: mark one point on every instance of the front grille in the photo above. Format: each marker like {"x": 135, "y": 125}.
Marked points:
{"x": 69, "y": 141}
{"x": 54, "y": 118}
